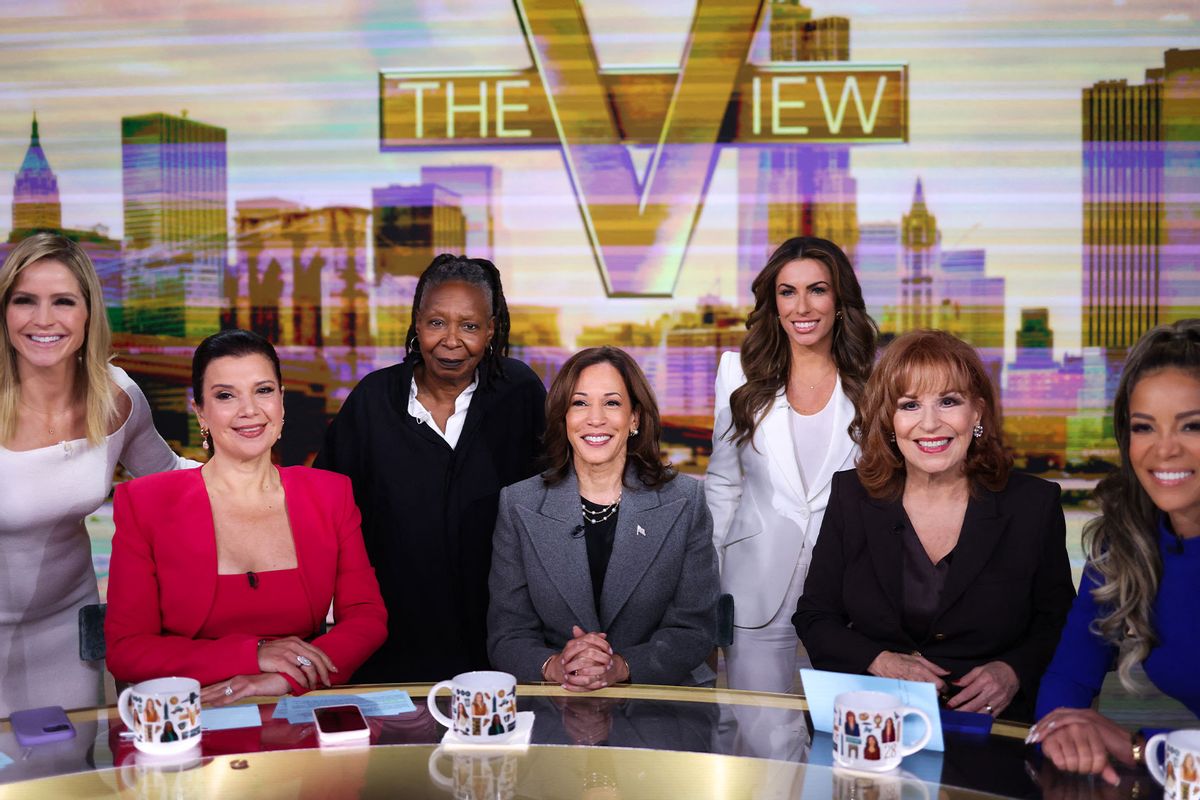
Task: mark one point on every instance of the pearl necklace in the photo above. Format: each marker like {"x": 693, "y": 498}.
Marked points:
{"x": 600, "y": 515}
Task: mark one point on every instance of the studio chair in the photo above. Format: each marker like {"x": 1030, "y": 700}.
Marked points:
{"x": 91, "y": 632}
{"x": 724, "y": 636}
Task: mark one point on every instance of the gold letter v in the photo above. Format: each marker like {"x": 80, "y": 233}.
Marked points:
{"x": 639, "y": 229}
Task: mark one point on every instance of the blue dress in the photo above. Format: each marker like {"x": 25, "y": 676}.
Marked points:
{"x": 1075, "y": 674}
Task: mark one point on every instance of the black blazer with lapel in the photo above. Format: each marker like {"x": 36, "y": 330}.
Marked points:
{"x": 428, "y": 511}
{"x": 658, "y": 604}
{"x": 1005, "y": 598}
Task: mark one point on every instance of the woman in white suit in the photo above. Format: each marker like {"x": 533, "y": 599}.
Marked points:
{"x": 785, "y": 410}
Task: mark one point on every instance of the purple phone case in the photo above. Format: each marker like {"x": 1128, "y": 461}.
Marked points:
{"x": 41, "y": 725}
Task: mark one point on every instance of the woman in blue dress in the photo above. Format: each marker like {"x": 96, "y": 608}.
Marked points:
{"x": 1137, "y": 600}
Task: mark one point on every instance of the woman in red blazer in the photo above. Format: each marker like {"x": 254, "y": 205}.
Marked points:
{"x": 225, "y": 573}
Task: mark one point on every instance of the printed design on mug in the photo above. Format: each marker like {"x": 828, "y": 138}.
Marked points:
{"x": 480, "y": 712}
{"x": 866, "y": 736}
{"x": 1182, "y": 782}
{"x": 172, "y": 720}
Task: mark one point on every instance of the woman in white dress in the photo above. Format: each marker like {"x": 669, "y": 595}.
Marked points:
{"x": 66, "y": 418}
{"x": 784, "y": 411}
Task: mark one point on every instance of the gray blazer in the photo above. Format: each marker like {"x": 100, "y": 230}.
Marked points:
{"x": 658, "y": 605}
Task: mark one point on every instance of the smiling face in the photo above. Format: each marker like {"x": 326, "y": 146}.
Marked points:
{"x": 805, "y": 303}
{"x": 600, "y": 416}
{"x": 934, "y": 429}
{"x": 46, "y": 315}
{"x": 243, "y": 406}
{"x": 1164, "y": 444}
{"x": 454, "y": 327}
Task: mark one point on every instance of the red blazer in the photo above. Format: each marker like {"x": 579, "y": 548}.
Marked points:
{"x": 162, "y": 578}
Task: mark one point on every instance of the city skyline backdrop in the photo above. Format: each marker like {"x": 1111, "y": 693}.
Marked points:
{"x": 268, "y": 203}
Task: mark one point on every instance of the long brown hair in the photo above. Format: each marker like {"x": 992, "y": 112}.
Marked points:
{"x": 923, "y": 358}
{"x": 643, "y": 449}
{"x": 1122, "y": 543}
{"x": 766, "y": 354}
{"x": 94, "y": 386}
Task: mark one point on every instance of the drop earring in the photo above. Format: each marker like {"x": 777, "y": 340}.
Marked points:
{"x": 204, "y": 437}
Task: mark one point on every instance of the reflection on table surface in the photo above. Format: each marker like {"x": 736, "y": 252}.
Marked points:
{"x": 623, "y": 742}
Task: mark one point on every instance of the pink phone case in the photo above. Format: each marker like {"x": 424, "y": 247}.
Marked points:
{"x": 41, "y": 725}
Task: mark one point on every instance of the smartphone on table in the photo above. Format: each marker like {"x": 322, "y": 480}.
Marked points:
{"x": 341, "y": 725}
{"x": 41, "y": 725}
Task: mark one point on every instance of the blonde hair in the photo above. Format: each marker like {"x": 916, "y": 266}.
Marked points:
{"x": 93, "y": 386}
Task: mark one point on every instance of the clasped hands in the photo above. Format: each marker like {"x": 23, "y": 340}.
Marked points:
{"x": 305, "y": 663}
{"x": 587, "y": 663}
{"x": 988, "y": 688}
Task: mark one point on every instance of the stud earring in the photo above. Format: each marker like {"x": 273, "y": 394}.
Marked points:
{"x": 633, "y": 433}
{"x": 977, "y": 431}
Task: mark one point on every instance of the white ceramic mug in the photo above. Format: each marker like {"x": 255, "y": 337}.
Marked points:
{"x": 483, "y": 705}
{"x": 164, "y": 714}
{"x": 476, "y": 776}
{"x": 868, "y": 731}
{"x": 1179, "y": 769}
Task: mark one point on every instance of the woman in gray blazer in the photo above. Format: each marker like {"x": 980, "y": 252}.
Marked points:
{"x": 603, "y": 568}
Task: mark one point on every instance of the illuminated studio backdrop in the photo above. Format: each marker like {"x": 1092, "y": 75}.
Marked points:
{"x": 1024, "y": 174}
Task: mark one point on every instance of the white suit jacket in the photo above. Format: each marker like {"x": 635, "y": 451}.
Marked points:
{"x": 764, "y": 521}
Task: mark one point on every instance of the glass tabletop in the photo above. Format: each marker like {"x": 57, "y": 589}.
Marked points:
{"x": 622, "y": 742}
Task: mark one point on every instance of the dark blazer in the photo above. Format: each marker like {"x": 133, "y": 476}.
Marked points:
{"x": 429, "y": 511}
{"x": 1005, "y": 598}
{"x": 658, "y": 605}
{"x": 163, "y": 578}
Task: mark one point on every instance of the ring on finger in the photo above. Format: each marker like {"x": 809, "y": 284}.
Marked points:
{"x": 988, "y": 708}
{"x": 229, "y": 690}
{"x": 303, "y": 661}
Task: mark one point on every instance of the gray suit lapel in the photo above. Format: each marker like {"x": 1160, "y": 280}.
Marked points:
{"x": 642, "y": 527}
{"x": 563, "y": 554}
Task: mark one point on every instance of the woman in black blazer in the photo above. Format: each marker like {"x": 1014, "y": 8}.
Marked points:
{"x": 429, "y": 444}
{"x": 935, "y": 562}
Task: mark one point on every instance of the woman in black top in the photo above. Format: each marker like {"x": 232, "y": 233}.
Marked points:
{"x": 935, "y": 562}
{"x": 428, "y": 444}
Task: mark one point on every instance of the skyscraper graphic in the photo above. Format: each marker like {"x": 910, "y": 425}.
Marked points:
{"x": 174, "y": 180}
{"x": 796, "y": 36}
{"x": 921, "y": 260}
{"x": 1040, "y": 395}
{"x": 1141, "y": 202}
{"x": 878, "y": 268}
{"x": 792, "y": 190}
{"x": 413, "y": 224}
{"x": 300, "y": 272}
{"x": 971, "y": 303}
{"x": 35, "y": 192}
{"x": 477, "y": 186}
